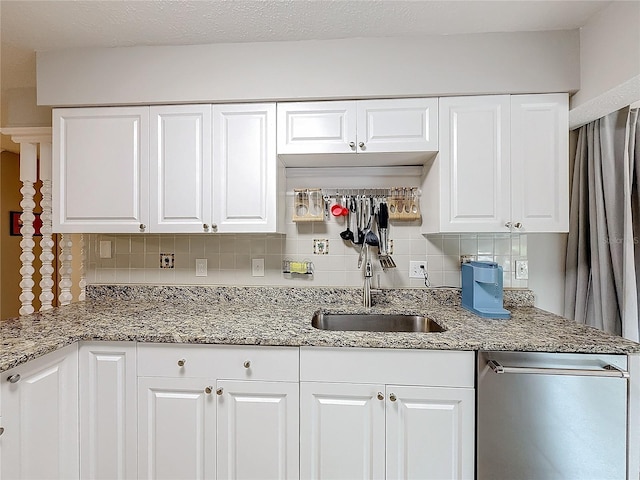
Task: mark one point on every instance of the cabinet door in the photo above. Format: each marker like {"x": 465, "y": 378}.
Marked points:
{"x": 108, "y": 410}
{"x": 100, "y": 169}
{"x": 475, "y": 164}
{"x": 246, "y": 171}
{"x": 342, "y": 431}
{"x": 316, "y": 127}
{"x": 176, "y": 428}
{"x": 180, "y": 168}
{"x": 402, "y": 125}
{"x": 540, "y": 162}
{"x": 40, "y": 417}
{"x": 430, "y": 432}
{"x": 257, "y": 434}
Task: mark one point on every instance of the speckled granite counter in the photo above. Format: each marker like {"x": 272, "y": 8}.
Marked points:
{"x": 282, "y": 316}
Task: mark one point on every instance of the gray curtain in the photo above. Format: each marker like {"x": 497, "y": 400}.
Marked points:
{"x": 603, "y": 255}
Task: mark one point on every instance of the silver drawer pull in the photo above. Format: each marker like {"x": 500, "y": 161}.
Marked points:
{"x": 606, "y": 371}
{"x": 380, "y": 396}
{"x": 181, "y": 362}
{"x": 15, "y": 378}
{"x": 247, "y": 364}
{"x": 208, "y": 390}
{"x": 393, "y": 397}
{"x": 219, "y": 391}
{"x": 1, "y": 430}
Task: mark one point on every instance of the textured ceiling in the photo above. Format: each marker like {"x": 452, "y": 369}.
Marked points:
{"x": 28, "y": 26}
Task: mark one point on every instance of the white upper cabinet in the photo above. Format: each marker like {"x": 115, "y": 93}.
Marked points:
{"x": 167, "y": 169}
{"x": 502, "y": 166}
{"x": 248, "y": 179}
{"x": 180, "y": 168}
{"x": 317, "y": 127}
{"x": 540, "y": 162}
{"x": 100, "y": 169}
{"x": 359, "y": 126}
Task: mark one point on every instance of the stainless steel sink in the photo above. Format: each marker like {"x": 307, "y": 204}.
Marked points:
{"x": 374, "y": 323}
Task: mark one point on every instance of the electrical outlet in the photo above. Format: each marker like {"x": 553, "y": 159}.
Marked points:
{"x": 257, "y": 267}
{"x": 166, "y": 260}
{"x": 417, "y": 269}
{"x": 105, "y": 249}
{"x": 201, "y": 267}
{"x": 522, "y": 269}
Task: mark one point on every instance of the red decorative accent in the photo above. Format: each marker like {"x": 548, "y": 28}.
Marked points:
{"x": 15, "y": 224}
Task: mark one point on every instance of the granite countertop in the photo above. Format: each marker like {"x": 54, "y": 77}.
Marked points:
{"x": 282, "y": 316}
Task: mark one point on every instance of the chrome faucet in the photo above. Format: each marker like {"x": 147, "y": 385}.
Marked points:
{"x": 366, "y": 287}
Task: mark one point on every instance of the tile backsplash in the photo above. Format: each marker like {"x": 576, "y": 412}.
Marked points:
{"x": 136, "y": 258}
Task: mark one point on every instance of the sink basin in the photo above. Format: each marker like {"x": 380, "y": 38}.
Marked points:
{"x": 374, "y": 323}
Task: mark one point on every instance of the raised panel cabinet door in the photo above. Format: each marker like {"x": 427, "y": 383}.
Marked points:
{"x": 430, "y": 433}
{"x": 342, "y": 431}
{"x": 176, "y": 428}
{"x": 180, "y": 168}
{"x": 540, "y": 162}
{"x": 401, "y": 125}
{"x": 40, "y": 417}
{"x": 100, "y": 169}
{"x": 257, "y": 435}
{"x": 245, "y": 168}
{"x": 317, "y": 127}
{"x": 475, "y": 163}
{"x": 108, "y": 410}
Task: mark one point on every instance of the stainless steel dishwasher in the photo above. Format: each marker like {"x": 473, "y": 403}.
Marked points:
{"x": 544, "y": 416}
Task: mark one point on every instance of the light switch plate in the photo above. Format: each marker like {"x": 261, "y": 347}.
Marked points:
{"x": 105, "y": 249}
{"x": 201, "y": 267}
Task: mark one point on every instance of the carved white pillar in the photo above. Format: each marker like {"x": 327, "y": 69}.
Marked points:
{"x": 65, "y": 269}
{"x": 28, "y": 176}
{"x": 46, "y": 242}
{"x": 83, "y": 278}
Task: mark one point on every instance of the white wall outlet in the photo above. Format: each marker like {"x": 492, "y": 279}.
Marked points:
{"x": 257, "y": 267}
{"x": 522, "y": 269}
{"x": 105, "y": 249}
{"x": 201, "y": 267}
{"x": 417, "y": 269}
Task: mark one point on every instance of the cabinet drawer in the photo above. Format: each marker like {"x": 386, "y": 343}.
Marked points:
{"x": 440, "y": 368}
{"x": 218, "y": 361}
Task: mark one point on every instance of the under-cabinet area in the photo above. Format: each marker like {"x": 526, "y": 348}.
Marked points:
{"x": 141, "y": 410}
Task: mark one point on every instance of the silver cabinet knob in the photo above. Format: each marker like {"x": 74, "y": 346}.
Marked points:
{"x": 247, "y": 364}
{"x": 219, "y": 391}
{"x": 1, "y": 430}
{"x": 508, "y": 224}
{"x": 15, "y": 378}
{"x": 181, "y": 362}
{"x": 352, "y": 145}
{"x": 214, "y": 227}
{"x": 380, "y": 396}
{"x": 205, "y": 227}
{"x": 393, "y": 397}
{"x": 361, "y": 145}
{"x": 208, "y": 390}
{"x": 518, "y": 225}
{"x": 143, "y": 227}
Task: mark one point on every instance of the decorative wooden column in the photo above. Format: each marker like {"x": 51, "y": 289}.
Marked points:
{"x": 29, "y": 138}
{"x": 28, "y": 177}
{"x": 46, "y": 242}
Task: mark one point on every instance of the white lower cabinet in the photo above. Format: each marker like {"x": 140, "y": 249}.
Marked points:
{"x": 107, "y": 376}
{"x": 257, "y": 432}
{"x": 421, "y": 429}
{"x": 40, "y": 417}
{"x": 176, "y": 428}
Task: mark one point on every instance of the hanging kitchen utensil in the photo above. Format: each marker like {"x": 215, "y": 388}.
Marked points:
{"x": 383, "y": 253}
{"x": 347, "y": 234}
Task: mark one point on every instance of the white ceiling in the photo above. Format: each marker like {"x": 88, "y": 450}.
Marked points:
{"x": 28, "y": 26}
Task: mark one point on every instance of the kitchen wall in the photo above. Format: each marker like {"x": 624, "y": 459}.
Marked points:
{"x": 136, "y": 258}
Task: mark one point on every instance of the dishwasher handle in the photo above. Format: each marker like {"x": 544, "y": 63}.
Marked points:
{"x": 605, "y": 371}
